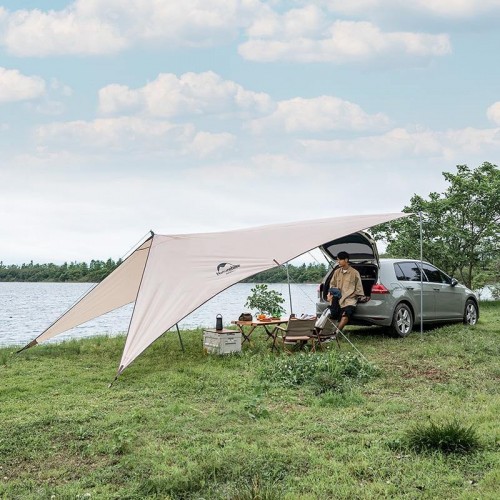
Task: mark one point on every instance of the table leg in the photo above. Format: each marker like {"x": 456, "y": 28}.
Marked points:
{"x": 246, "y": 336}
{"x": 273, "y": 334}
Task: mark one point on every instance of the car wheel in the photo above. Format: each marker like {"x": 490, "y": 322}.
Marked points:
{"x": 402, "y": 321}
{"x": 470, "y": 313}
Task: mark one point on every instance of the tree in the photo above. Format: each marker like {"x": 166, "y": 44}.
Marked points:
{"x": 461, "y": 227}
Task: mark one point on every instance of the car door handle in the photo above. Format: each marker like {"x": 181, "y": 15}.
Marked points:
{"x": 409, "y": 287}
{"x": 437, "y": 289}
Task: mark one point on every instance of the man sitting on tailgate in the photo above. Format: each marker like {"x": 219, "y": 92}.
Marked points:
{"x": 346, "y": 279}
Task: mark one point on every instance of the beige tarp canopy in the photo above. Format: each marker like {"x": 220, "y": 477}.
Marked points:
{"x": 169, "y": 276}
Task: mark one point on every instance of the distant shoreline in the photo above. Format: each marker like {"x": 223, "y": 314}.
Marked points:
{"x": 96, "y": 271}
{"x": 250, "y": 281}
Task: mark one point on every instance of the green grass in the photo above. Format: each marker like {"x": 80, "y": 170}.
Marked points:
{"x": 448, "y": 437}
{"x": 256, "y": 425}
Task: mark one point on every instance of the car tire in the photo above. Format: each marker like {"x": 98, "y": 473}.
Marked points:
{"x": 470, "y": 313}
{"x": 402, "y": 321}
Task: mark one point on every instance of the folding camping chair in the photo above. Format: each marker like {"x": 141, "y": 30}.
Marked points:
{"x": 326, "y": 334}
{"x": 325, "y": 330}
{"x": 297, "y": 332}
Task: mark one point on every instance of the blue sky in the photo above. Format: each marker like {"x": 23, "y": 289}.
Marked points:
{"x": 120, "y": 116}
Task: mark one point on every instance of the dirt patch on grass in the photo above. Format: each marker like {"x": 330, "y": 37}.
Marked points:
{"x": 59, "y": 466}
{"x": 411, "y": 371}
{"x": 434, "y": 374}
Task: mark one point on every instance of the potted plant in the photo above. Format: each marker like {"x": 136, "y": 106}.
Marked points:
{"x": 267, "y": 302}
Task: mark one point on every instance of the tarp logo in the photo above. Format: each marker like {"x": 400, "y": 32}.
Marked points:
{"x": 226, "y": 268}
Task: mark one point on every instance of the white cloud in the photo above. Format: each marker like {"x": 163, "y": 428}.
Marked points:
{"x": 345, "y": 41}
{"x": 115, "y": 98}
{"x": 53, "y": 102}
{"x": 473, "y": 141}
{"x": 461, "y": 9}
{"x": 37, "y": 33}
{"x": 324, "y": 113}
{"x": 111, "y": 136}
{"x": 107, "y": 26}
{"x": 395, "y": 144}
{"x": 402, "y": 144}
{"x": 205, "y": 143}
{"x": 14, "y": 86}
{"x": 493, "y": 113}
{"x": 292, "y": 24}
{"x": 188, "y": 23}
{"x": 457, "y": 8}
{"x": 310, "y": 33}
{"x": 189, "y": 94}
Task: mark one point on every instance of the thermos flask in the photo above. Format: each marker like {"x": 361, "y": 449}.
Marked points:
{"x": 218, "y": 322}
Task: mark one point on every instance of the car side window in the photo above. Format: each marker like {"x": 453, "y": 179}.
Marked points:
{"x": 435, "y": 275}
{"x": 400, "y": 275}
{"x": 446, "y": 279}
{"x": 410, "y": 271}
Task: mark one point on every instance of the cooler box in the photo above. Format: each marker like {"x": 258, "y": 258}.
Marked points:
{"x": 221, "y": 341}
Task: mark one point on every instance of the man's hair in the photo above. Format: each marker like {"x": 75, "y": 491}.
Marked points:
{"x": 343, "y": 255}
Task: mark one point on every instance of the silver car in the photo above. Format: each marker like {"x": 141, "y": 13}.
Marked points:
{"x": 392, "y": 288}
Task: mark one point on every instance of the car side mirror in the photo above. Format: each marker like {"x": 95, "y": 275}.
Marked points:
{"x": 454, "y": 282}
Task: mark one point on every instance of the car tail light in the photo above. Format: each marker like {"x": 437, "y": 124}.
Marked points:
{"x": 379, "y": 288}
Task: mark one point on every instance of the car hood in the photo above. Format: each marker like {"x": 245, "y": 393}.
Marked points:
{"x": 360, "y": 246}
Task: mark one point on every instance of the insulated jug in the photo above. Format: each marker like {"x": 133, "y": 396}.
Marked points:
{"x": 218, "y": 322}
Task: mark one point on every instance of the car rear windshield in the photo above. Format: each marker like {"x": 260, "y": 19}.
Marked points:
{"x": 356, "y": 250}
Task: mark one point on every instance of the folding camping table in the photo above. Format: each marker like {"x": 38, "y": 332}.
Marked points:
{"x": 250, "y": 326}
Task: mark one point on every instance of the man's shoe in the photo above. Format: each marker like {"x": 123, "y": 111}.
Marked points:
{"x": 329, "y": 339}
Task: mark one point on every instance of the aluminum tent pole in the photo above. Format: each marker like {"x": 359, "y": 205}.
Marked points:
{"x": 288, "y": 280}
{"x": 289, "y": 289}
{"x": 421, "y": 280}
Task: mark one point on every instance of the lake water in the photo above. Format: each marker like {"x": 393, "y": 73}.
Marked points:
{"x": 27, "y": 309}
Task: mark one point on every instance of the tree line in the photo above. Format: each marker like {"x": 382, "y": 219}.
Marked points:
{"x": 79, "y": 272}
{"x": 310, "y": 273}
{"x": 97, "y": 270}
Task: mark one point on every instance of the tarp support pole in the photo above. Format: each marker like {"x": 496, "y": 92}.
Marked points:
{"x": 179, "y": 335}
{"x": 288, "y": 280}
{"x": 421, "y": 280}
{"x": 289, "y": 289}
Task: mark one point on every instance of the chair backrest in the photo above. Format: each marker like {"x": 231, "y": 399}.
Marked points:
{"x": 300, "y": 327}
{"x": 328, "y": 330}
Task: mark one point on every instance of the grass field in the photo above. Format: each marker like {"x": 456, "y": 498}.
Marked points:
{"x": 255, "y": 425}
